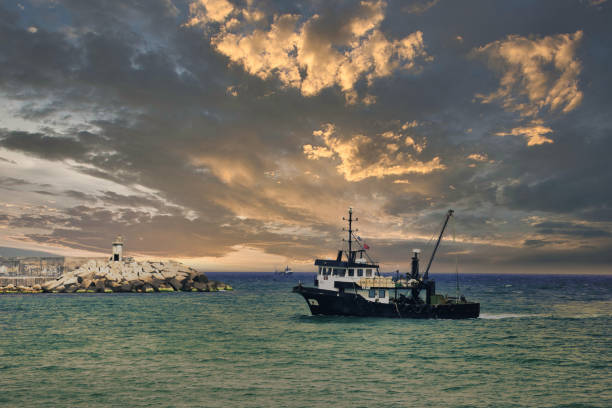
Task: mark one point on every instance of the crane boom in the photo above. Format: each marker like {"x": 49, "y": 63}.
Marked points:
{"x": 448, "y": 215}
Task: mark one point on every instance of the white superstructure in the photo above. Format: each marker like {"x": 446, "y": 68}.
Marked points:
{"x": 363, "y": 280}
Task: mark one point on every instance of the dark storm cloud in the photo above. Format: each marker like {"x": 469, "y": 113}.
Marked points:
{"x": 46, "y": 147}
{"x": 9, "y": 182}
{"x": 151, "y": 103}
{"x": 79, "y": 195}
{"x": 34, "y": 60}
{"x": 570, "y": 229}
{"x": 13, "y": 184}
{"x": 43, "y": 192}
{"x": 535, "y": 242}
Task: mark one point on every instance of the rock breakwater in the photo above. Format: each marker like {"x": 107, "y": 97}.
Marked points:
{"x": 120, "y": 276}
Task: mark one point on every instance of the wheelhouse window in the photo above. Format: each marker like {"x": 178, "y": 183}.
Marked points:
{"x": 342, "y": 272}
{"x": 381, "y": 293}
{"x": 372, "y": 293}
{"x": 368, "y": 272}
{"x": 359, "y": 272}
{"x": 320, "y": 270}
{"x": 351, "y": 272}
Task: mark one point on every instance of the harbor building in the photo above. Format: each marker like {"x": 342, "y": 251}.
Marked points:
{"x": 28, "y": 271}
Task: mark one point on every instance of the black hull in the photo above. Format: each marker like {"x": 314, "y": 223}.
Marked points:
{"x": 328, "y": 302}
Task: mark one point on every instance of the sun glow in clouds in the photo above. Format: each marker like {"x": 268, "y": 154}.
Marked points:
{"x": 301, "y": 53}
{"x": 538, "y": 76}
{"x": 384, "y": 158}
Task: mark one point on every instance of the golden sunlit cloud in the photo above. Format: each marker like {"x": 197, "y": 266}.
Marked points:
{"x": 537, "y": 75}
{"x": 418, "y": 147}
{"x": 227, "y": 170}
{"x": 205, "y": 11}
{"x": 409, "y": 125}
{"x": 544, "y": 70}
{"x": 384, "y": 159}
{"x": 534, "y": 134}
{"x": 300, "y": 57}
{"x": 478, "y": 157}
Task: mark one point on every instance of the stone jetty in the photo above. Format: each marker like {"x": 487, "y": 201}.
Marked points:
{"x": 130, "y": 276}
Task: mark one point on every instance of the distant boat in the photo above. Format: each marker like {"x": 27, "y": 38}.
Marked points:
{"x": 355, "y": 287}
{"x": 286, "y": 272}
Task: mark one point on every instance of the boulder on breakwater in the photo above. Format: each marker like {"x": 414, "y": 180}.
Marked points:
{"x": 121, "y": 276}
{"x": 11, "y": 288}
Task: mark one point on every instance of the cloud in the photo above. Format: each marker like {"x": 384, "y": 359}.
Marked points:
{"x": 535, "y": 243}
{"x": 408, "y": 203}
{"x": 478, "y": 157}
{"x": 361, "y": 157}
{"x": 9, "y": 182}
{"x": 418, "y": 147}
{"x": 7, "y": 160}
{"x": 92, "y": 228}
{"x": 317, "y": 152}
{"x": 570, "y": 229}
{"x": 536, "y": 73}
{"x": 205, "y": 11}
{"x": 420, "y": 6}
{"x": 49, "y": 147}
{"x": 79, "y": 195}
{"x": 409, "y": 125}
{"x": 539, "y": 76}
{"x": 534, "y": 134}
{"x": 311, "y": 54}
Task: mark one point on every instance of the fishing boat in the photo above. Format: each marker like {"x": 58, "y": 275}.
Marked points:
{"x": 352, "y": 285}
{"x": 285, "y": 272}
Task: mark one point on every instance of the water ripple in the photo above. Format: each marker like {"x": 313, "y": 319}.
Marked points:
{"x": 539, "y": 342}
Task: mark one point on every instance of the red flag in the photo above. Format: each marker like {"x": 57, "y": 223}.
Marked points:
{"x": 365, "y": 246}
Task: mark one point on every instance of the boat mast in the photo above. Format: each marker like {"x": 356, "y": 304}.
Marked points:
{"x": 448, "y": 215}
{"x": 350, "y": 220}
{"x": 350, "y": 233}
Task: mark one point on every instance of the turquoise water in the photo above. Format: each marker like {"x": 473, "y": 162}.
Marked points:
{"x": 542, "y": 341}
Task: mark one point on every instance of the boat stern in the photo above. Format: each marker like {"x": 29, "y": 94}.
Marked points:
{"x": 467, "y": 310}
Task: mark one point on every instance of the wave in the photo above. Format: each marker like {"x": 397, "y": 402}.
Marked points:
{"x": 582, "y": 310}
{"x": 506, "y": 316}
{"x": 568, "y": 310}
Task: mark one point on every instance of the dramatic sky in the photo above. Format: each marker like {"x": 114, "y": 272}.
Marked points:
{"x": 234, "y": 135}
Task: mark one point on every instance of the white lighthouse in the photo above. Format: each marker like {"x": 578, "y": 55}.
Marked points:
{"x": 117, "y": 249}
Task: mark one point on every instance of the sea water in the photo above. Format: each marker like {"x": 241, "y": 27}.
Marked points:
{"x": 541, "y": 341}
